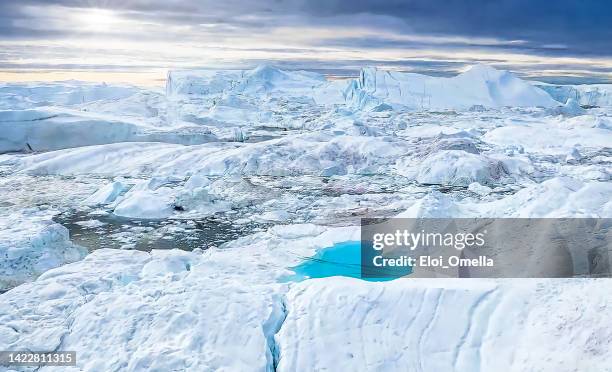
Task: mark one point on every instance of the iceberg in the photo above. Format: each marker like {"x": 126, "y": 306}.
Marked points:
{"x": 106, "y": 194}
{"x": 480, "y": 86}
{"x": 570, "y": 108}
{"x": 460, "y": 168}
{"x": 66, "y": 94}
{"x": 262, "y": 81}
{"x": 262, "y": 97}
{"x": 146, "y": 199}
{"x": 309, "y": 153}
{"x": 591, "y": 95}
{"x": 46, "y": 129}
{"x": 30, "y": 244}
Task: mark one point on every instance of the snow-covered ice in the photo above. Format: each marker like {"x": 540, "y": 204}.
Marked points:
{"x": 31, "y": 244}
{"x": 249, "y": 172}
{"x": 459, "y": 168}
{"x": 440, "y": 325}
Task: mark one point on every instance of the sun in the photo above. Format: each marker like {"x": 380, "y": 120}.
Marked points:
{"x": 97, "y": 20}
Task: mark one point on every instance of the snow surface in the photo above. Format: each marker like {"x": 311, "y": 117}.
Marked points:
{"x": 291, "y": 161}
{"x": 441, "y": 325}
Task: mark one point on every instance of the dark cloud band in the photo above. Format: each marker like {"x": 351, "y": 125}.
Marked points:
{"x": 540, "y": 28}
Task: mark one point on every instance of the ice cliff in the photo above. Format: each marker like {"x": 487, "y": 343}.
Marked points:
{"x": 479, "y": 86}
{"x": 586, "y": 95}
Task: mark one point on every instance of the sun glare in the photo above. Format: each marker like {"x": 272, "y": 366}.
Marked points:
{"x": 97, "y": 19}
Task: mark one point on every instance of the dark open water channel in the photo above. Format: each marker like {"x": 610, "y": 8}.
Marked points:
{"x": 109, "y": 231}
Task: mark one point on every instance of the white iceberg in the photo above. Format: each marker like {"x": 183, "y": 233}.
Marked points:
{"x": 481, "y": 85}
{"x": 460, "y": 168}
{"x": 31, "y": 244}
{"x": 594, "y": 95}
{"x": 106, "y": 194}
{"x": 148, "y": 200}
{"x": 570, "y": 108}
{"x": 309, "y": 153}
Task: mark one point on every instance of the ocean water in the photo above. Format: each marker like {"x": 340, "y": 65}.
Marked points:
{"x": 341, "y": 259}
{"x": 109, "y": 231}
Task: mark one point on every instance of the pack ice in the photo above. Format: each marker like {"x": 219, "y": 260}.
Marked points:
{"x": 286, "y": 163}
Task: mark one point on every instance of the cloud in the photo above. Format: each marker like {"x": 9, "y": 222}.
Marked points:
{"x": 580, "y": 25}
{"x": 420, "y": 35}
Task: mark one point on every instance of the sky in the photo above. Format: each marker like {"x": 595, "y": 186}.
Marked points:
{"x": 551, "y": 40}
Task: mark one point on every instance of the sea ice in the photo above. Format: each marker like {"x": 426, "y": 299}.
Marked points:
{"x": 302, "y": 158}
